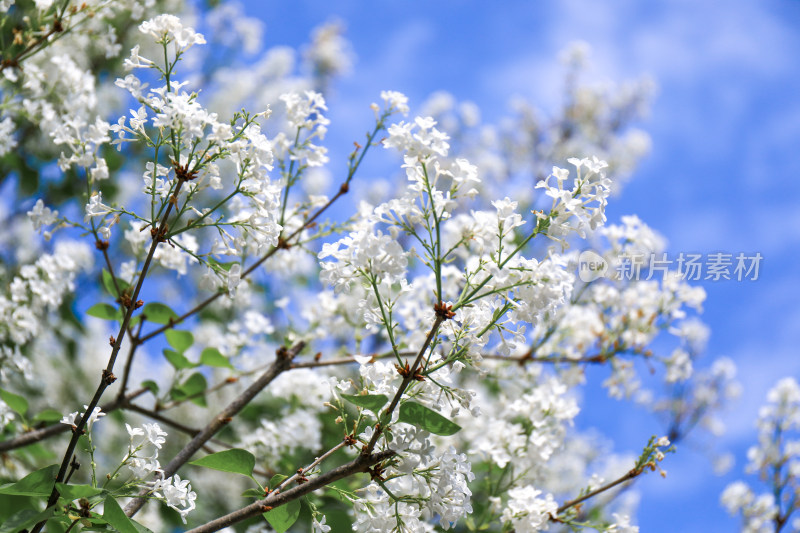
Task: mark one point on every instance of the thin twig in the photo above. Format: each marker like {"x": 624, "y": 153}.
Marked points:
{"x": 407, "y": 379}
{"x": 275, "y": 499}
{"x": 631, "y": 474}
{"x": 313, "y": 465}
{"x": 37, "y": 435}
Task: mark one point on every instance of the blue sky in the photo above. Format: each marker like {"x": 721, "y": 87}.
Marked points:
{"x": 722, "y": 174}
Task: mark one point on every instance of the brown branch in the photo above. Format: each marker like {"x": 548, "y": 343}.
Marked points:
{"x": 282, "y": 363}
{"x": 108, "y": 377}
{"x": 407, "y": 379}
{"x": 37, "y": 435}
{"x": 314, "y": 464}
{"x": 631, "y": 474}
{"x": 126, "y": 372}
{"x": 185, "y": 429}
{"x": 360, "y": 464}
{"x": 528, "y": 357}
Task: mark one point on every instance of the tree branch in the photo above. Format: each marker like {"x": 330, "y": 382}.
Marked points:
{"x": 282, "y": 363}
{"x": 108, "y": 377}
{"x": 360, "y": 464}
{"x": 37, "y": 435}
{"x": 631, "y": 474}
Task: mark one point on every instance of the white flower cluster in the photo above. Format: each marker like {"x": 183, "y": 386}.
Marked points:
{"x": 527, "y": 511}
{"x": 776, "y": 458}
{"x": 168, "y": 28}
{"x": 142, "y": 460}
{"x": 428, "y": 485}
{"x": 37, "y": 289}
{"x": 296, "y": 430}
{"x": 365, "y": 252}
{"x": 304, "y": 112}
{"x": 41, "y": 215}
{"x": 583, "y": 206}
{"x": 71, "y": 418}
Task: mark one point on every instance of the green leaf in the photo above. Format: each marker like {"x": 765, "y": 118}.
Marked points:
{"x": 235, "y": 460}
{"x": 108, "y": 283}
{"x": 418, "y": 415}
{"x": 224, "y": 266}
{"x": 39, "y": 483}
{"x": 114, "y": 515}
{"x": 150, "y": 385}
{"x": 159, "y": 313}
{"x": 373, "y": 402}
{"x": 104, "y": 311}
{"x": 253, "y": 493}
{"x": 16, "y": 402}
{"x": 47, "y": 415}
{"x": 75, "y": 492}
{"x": 178, "y": 360}
{"x": 180, "y": 340}
{"x": 195, "y": 385}
{"x": 276, "y": 480}
{"x": 281, "y": 518}
{"x": 212, "y": 357}
{"x": 25, "y": 519}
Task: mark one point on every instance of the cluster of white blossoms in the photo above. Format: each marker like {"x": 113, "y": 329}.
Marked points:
{"x": 581, "y": 207}
{"x": 527, "y": 512}
{"x": 71, "y": 419}
{"x": 425, "y": 485}
{"x": 37, "y": 290}
{"x": 142, "y": 460}
{"x": 776, "y": 459}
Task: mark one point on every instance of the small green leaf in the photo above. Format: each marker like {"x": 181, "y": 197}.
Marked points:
{"x": 104, "y": 311}
{"x": 39, "y": 483}
{"x": 75, "y": 492}
{"x": 276, "y": 480}
{"x": 281, "y": 518}
{"x": 108, "y": 283}
{"x": 150, "y": 385}
{"x": 212, "y": 357}
{"x": 180, "y": 340}
{"x": 373, "y": 402}
{"x": 159, "y": 313}
{"x": 418, "y": 415}
{"x": 235, "y": 460}
{"x": 178, "y": 360}
{"x": 115, "y": 516}
{"x": 224, "y": 266}
{"x": 47, "y": 415}
{"x": 16, "y": 402}
{"x": 253, "y": 493}
{"x": 194, "y": 386}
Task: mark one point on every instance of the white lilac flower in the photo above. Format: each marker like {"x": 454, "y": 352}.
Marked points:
{"x": 96, "y": 207}
{"x": 320, "y": 526}
{"x": 41, "y": 215}
{"x": 170, "y": 28}
{"x": 7, "y": 140}
{"x": 395, "y": 101}
{"x": 527, "y": 512}
{"x": 176, "y": 493}
{"x": 70, "y": 419}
